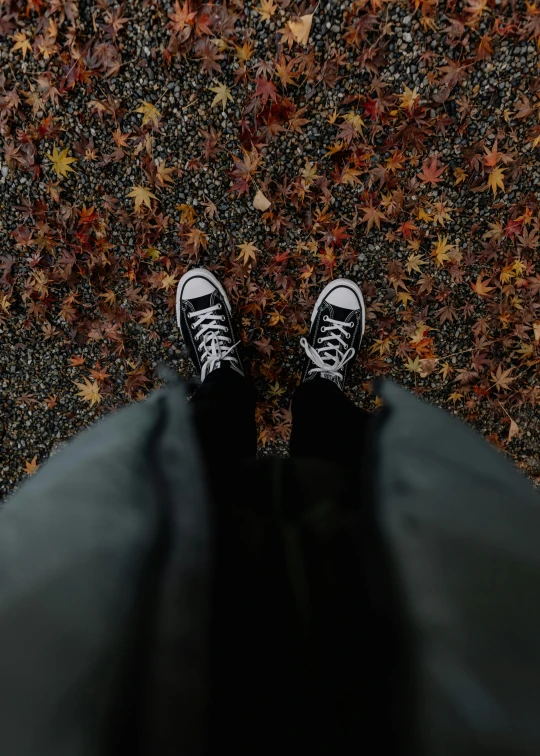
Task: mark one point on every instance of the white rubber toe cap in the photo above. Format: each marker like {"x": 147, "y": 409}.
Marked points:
{"x": 197, "y": 287}
{"x": 343, "y": 296}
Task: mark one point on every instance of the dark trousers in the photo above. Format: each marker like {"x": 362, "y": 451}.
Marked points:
{"x": 325, "y": 423}
{"x": 292, "y": 613}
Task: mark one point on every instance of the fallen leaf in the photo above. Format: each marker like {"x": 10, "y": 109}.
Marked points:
{"x": 21, "y": 43}
{"x": 61, "y": 162}
{"x": 223, "y": 93}
{"x": 31, "y": 467}
{"x": 245, "y": 52}
{"x": 495, "y": 180}
{"x": 372, "y": 216}
{"x": 168, "y": 281}
{"x": 413, "y": 366}
{"x": 300, "y": 29}
{"x": 266, "y": 9}
{"x": 409, "y": 97}
{"x": 441, "y": 249}
{"x": 163, "y": 174}
{"x": 150, "y": 113}
{"x": 89, "y": 391}
{"x": 431, "y": 173}
{"x": 481, "y": 288}
{"x": 247, "y": 251}
{"x": 536, "y": 327}
{"x": 502, "y": 378}
{"x": 513, "y": 431}
{"x": 260, "y": 202}
{"x": 141, "y": 196}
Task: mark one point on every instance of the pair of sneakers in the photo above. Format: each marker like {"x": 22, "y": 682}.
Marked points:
{"x": 204, "y": 313}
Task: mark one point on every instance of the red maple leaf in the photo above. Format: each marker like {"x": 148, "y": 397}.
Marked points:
{"x": 431, "y": 173}
{"x": 265, "y": 90}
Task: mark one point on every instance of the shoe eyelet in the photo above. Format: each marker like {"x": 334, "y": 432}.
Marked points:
{"x": 325, "y": 318}
{"x": 319, "y": 341}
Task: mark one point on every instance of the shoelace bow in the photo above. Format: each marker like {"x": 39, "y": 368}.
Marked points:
{"x": 325, "y": 362}
{"x": 213, "y": 347}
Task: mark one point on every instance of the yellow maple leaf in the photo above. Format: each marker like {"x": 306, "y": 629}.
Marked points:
{"x": 495, "y": 180}
{"x": 409, "y": 97}
{"x": 168, "y": 281}
{"x": 355, "y": 120}
{"x": 459, "y": 175}
{"x": 89, "y": 391}
{"x": 245, "y": 52}
{"x": 21, "y": 43}
{"x": 152, "y": 253}
{"x": 507, "y": 273}
{"x": 441, "y": 249}
{"x": 423, "y": 215}
{"x": 141, "y": 196}
{"x": 414, "y": 261}
{"x": 223, "y": 93}
{"x": 403, "y": 297}
{"x": 187, "y": 214}
{"x": 413, "y": 366}
{"x": 266, "y": 9}
{"x": 61, "y": 162}
{"x": 248, "y": 252}
{"x": 149, "y": 112}
{"x": 301, "y": 28}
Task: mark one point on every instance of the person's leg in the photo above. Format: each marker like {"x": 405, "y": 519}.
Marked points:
{"x": 223, "y": 407}
{"x": 223, "y": 410}
{"x": 326, "y": 424}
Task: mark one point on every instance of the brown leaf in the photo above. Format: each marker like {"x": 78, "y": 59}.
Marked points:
{"x": 301, "y": 28}
{"x": 513, "y": 431}
{"x": 31, "y": 467}
{"x": 260, "y": 202}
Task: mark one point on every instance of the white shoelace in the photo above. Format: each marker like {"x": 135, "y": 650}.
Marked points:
{"x": 214, "y": 343}
{"x": 330, "y": 358}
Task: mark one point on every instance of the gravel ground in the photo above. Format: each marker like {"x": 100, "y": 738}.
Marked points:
{"x": 88, "y": 283}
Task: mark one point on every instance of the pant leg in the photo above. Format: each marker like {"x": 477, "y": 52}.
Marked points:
{"x": 223, "y": 410}
{"x": 326, "y": 424}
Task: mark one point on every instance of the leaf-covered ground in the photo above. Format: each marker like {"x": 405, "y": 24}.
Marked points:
{"x": 281, "y": 144}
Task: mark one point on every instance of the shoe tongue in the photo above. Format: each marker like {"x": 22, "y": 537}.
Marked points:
{"x": 201, "y": 303}
{"x": 339, "y": 313}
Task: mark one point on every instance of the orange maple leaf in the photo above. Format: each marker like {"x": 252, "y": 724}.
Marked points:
{"x": 481, "y": 288}
{"x": 372, "y": 216}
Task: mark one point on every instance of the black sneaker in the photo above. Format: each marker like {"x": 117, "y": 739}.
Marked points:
{"x": 337, "y": 327}
{"x": 203, "y": 313}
